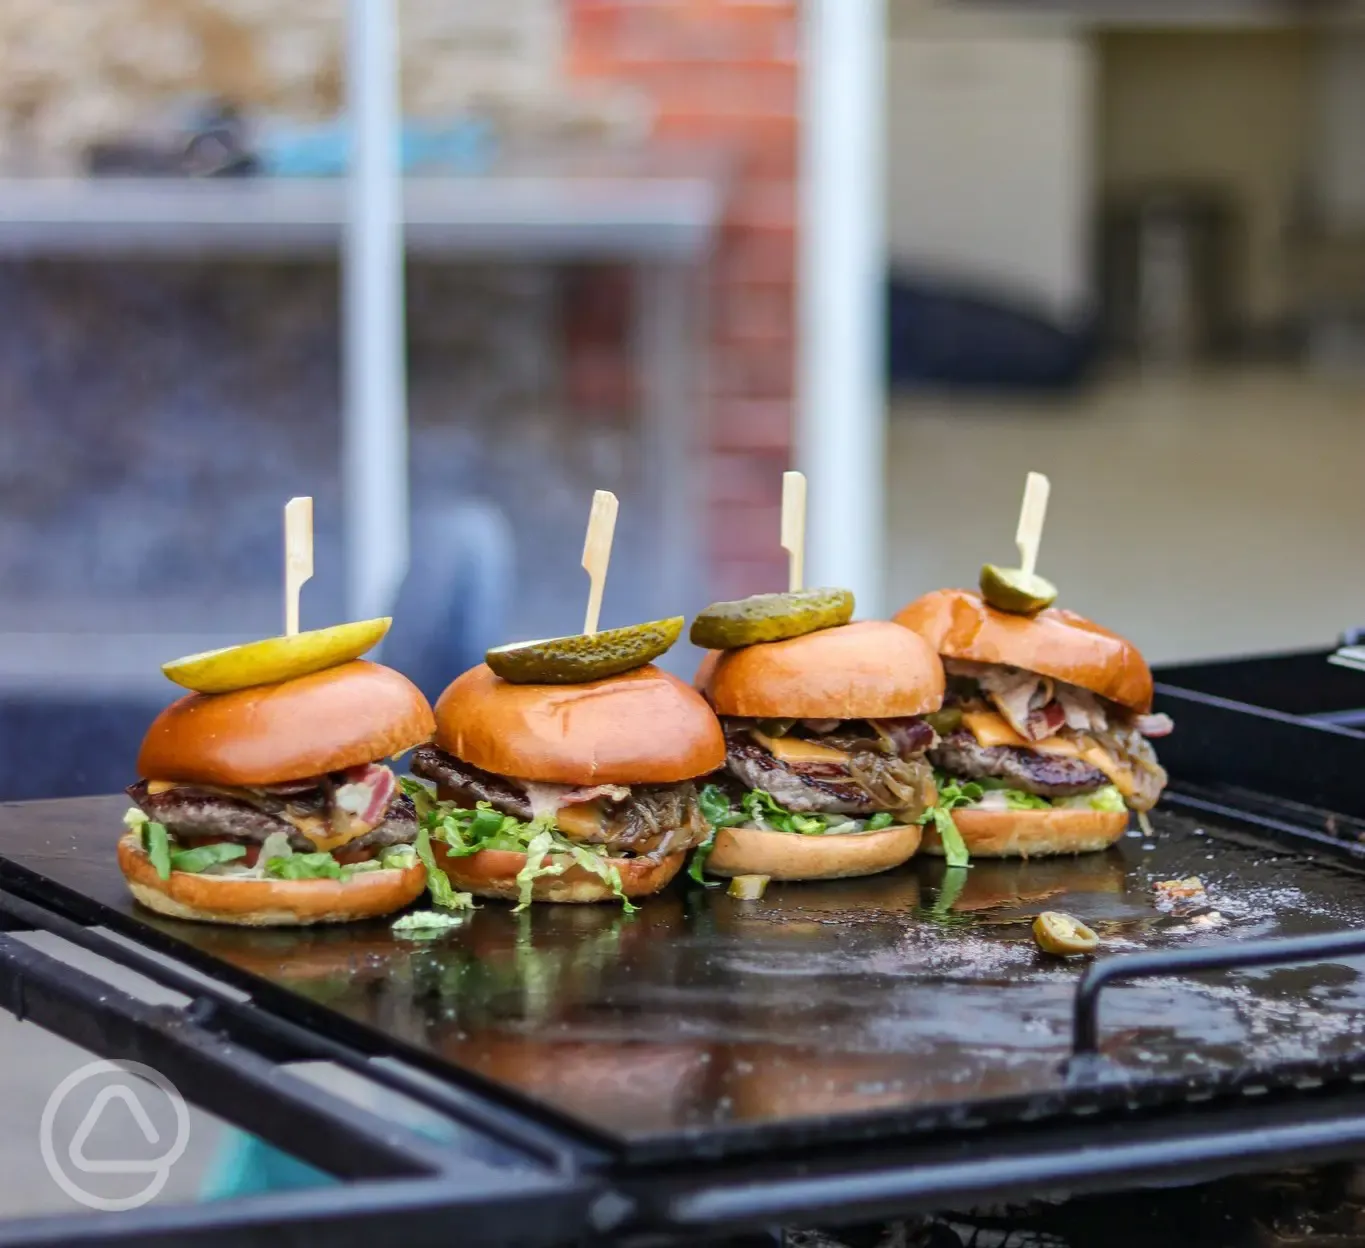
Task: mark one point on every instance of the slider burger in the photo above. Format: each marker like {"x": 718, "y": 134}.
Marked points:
{"x": 271, "y": 805}
{"x": 825, "y": 768}
{"x": 569, "y": 792}
{"x": 1047, "y": 746}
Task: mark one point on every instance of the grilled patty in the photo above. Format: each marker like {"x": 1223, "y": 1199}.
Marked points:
{"x": 1046, "y": 775}
{"x": 807, "y": 792}
{"x": 193, "y": 814}
{"x": 872, "y": 779}
{"x": 662, "y": 818}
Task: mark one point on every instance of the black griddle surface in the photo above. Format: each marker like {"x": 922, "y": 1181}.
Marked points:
{"x": 847, "y": 1007}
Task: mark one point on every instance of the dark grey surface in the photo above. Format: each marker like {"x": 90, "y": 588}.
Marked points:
{"x": 850, "y": 1001}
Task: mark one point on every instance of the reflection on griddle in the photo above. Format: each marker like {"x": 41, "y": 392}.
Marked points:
{"x": 910, "y": 991}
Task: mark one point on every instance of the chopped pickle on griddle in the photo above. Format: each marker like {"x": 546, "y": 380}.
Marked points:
{"x": 748, "y": 887}
{"x": 275, "y": 659}
{"x": 770, "y": 617}
{"x": 583, "y": 657}
{"x": 1060, "y": 934}
{"x": 1016, "y": 591}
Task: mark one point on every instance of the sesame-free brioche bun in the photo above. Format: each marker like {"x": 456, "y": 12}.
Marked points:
{"x": 1033, "y": 833}
{"x": 1055, "y": 642}
{"x": 267, "y": 902}
{"x": 790, "y": 856}
{"x": 333, "y": 719}
{"x": 493, "y": 873}
{"x": 642, "y": 727}
{"x": 868, "y": 670}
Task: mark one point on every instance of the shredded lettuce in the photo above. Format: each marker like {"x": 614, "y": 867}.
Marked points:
{"x": 438, "y": 883}
{"x": 954, "y": 847}
{"x": 760, "y": 808}
{"x": 464, "y": 831}
{"x": 1107, "y": 799}
{"x": 157, "y": 843}
{"x": 716, "y": 810}
{"x": 426, "y": 924}
{"x": 315, "y": 866}
{"x": 954, "y": 793}
{"x": 539, "y": 863}
{"x": 423, "y": 799}
{"x": 276, "y": 859}
{"x": 396, "y": 858}
{"x": 201, "y": 857}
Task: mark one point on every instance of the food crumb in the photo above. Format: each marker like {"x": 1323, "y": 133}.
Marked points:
{"x": 1171, "y": 891}
{"x": 1203, "y": 922}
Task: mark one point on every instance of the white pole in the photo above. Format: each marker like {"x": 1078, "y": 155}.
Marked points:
{"x": 840, "y": 435}
{"x": 374, "y": 454}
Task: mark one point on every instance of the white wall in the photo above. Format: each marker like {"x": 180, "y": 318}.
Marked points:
{"x": 989, "y": 159}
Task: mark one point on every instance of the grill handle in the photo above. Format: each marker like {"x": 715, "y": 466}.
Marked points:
{"x": 1085, "y": 1020}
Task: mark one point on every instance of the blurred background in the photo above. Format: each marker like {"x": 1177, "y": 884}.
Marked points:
{"x": 1120, "y": 242}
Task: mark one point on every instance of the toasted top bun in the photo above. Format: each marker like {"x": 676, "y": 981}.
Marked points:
{"x": 868, "y": 670}
{"x": 333, "y": 719}
{"x": 1055, "y": 642}
{"x": 643, "y": 727}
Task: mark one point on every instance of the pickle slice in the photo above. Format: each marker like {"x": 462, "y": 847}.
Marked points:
{"x": 580, "y": 658}
{"x": 748, "y": 887}
{"x": 1060, "y": 934}
{"x": 1016, "y": 591}
{"x": 276, "y": 658}
{"x": 770, "y": 617}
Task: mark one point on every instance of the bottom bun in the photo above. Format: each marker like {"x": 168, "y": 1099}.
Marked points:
{"x": 493, "y": 873}
{"x": 266, "y": 902}
{"x": 1033, "y": 833}
{"x": 791, "y": 856}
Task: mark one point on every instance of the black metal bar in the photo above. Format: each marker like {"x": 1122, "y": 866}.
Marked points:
{"x": 268, "y": 1034}
{"x": 224, "y": 1078}
{"x": 1215, "y": 1143}
{"x": 516, "y": 1211}
{"x": 1236, "y": 956}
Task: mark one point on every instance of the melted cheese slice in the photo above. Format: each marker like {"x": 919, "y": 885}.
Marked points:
{"x": 581, "y": 820}
{"x": 159, "y": 786}
{"x": 991, "y": 729}
{"x": 798, "y": 750}
{"x": 317, "y": 830}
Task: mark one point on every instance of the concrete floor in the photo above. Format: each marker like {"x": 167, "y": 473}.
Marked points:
{"x": 1199, "y": 515}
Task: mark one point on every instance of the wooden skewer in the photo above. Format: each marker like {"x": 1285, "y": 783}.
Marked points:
{"x": 298, "y": 557}
{"x": 597, "y": 553}
{"x": 1031, "y": 517}
{"x": 794, "y": 528}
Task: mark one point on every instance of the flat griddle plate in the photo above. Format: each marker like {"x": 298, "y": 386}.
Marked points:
{"x": 703, "y": 1026}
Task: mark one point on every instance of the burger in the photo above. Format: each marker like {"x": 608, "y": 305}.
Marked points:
{"x": 272, "y": 805}
{"x": 566, "y": 792}
{"x": 826, "y": 734}
{"x": 1046, "y": 745}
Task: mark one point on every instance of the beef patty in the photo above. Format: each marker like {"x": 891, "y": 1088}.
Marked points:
{"x": 1046, "y": 775}
{"x": 654, "y": 819}
{"x": 197, "y": 814}
{"x": 870, "y": 781}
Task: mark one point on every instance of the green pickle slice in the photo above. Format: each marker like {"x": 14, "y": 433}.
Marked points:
{"x": 1062, "y": 935}
{"x": 580, "y": 658}
{"x": 748, "y": 887}
{"x": 770, "y": 617}
{"x": 1016, "y": 591}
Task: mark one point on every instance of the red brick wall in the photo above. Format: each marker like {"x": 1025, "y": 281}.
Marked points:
{"x": 720, "y": 72}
